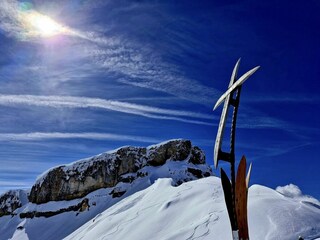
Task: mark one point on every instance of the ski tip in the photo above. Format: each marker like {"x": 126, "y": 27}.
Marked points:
{"x": 214, "y": 108}
{"x": 256, "y": 68}
{"x": 216, "y": 105}
{"x": 242, "y": 167}
{"x": 233, "y": 85}
{"x": 253, "y": 70}
{"x": 237, "y": 66}
{"x": 243, "y": 160}
{"x": 234, "y": 73}
{"x": 248, "y": 175}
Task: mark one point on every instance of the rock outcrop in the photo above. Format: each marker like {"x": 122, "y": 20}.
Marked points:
{"x": 11, "y": 200}
{"x": 122, "y": 165}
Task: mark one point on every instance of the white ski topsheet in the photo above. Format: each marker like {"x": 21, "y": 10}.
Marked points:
{"x": 241, "y": 80}
{"x": 224, "y": 116}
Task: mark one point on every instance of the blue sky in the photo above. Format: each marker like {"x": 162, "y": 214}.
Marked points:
{"x": 139, "y": 72}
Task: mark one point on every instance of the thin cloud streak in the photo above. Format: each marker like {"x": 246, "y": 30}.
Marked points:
{"x": 137, "y": 68}
{"x": 14, "y": 184}
{"x": 145, "y": 70}
{"x": 267, "y": 152}
{"x": 36, "y": 136}
{"x": 84, "y": 102}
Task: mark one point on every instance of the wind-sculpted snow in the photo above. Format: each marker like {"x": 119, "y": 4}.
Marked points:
{"x": 196, "y": 210}
{"x": 160, "y": 201}
{"x": 175, "y": 159}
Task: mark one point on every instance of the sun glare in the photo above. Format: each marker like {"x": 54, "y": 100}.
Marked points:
{"x": 44, "y": 26}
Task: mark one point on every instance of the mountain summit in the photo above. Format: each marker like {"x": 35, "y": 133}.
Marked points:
{"x": 65, "y": 197}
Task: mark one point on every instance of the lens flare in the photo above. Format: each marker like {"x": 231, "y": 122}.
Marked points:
{"x": 43, "y": 25}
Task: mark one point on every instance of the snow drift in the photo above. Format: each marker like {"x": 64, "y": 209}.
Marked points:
{"x": 196, "y": 210}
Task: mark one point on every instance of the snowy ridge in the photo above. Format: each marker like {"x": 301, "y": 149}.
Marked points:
{"x": 61, "y": 225}
{"x": 108, "y": 156}
{"x": 161, "y": 199}
{"x": 153, "y": 146}
{"x": 105, "y": 170}
{"x": 196, "y": 210}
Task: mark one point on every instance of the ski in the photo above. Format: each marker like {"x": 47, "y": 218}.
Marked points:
{"x": 223, "y": 119}
{"x": 239, "y": 82}
{"x": 236, "y": 191}
{"x": 248, "y": 175}
{"x": 228, "y": 198}
{"x": 241, "y": 200}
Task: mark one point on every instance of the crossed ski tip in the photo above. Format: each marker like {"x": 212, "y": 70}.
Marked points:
{"x": 235, "y": 83}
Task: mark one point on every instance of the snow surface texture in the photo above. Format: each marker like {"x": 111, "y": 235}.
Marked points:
{"x": 193, "y": 210}
{"x": 196, "y": 210}
{"x": 59, "y": 226}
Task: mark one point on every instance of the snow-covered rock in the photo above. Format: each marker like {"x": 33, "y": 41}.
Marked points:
{"x": 196, "y": 210}
{"x": 11, "y": 200}
{"x": 153, "y": 198}
{"x": 106, "y": 170}
{"x": 135, "y": 169}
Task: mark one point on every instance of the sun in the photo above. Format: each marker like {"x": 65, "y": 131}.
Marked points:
{"x": 43, "y": 25}
{"x": 46, "y": 26}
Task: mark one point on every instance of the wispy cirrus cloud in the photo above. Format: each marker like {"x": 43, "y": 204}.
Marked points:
{"x": 12, "y": 184}
{"x": 282, "y": 149}
{"x": 246, "y": 121}
{"x": 135, "y": 65}
{"x": 35, "y": 136}
{"x": 143, "y": 69}
{"x": 112, "y": 105}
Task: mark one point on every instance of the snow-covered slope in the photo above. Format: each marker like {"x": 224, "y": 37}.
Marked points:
{"x": 61, "y": 225}
{"x": 67, "y": 196}
{"x": 133, "y": 193}
{"x": 196, "y": 210}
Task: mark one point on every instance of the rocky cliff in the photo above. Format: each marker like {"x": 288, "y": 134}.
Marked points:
{"x": 122, "y": 165}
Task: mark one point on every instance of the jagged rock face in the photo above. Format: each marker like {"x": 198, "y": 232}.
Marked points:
{"x": 108, "y": 169}
{"x": 172, "y": 150}
{"x": 10, "y": 201}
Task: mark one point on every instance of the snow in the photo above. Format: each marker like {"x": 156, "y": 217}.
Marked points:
{"x": 10, "y": 197}
{"x": 161, "y": 210}
{"x": 196, "y": 210}
{"x": 154, "y": 207}
{"x": 163, "y": 143}
{"x": 20, "y": 233}
{"x": 61, "y": 225}
{"x": 81, "y": 165}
